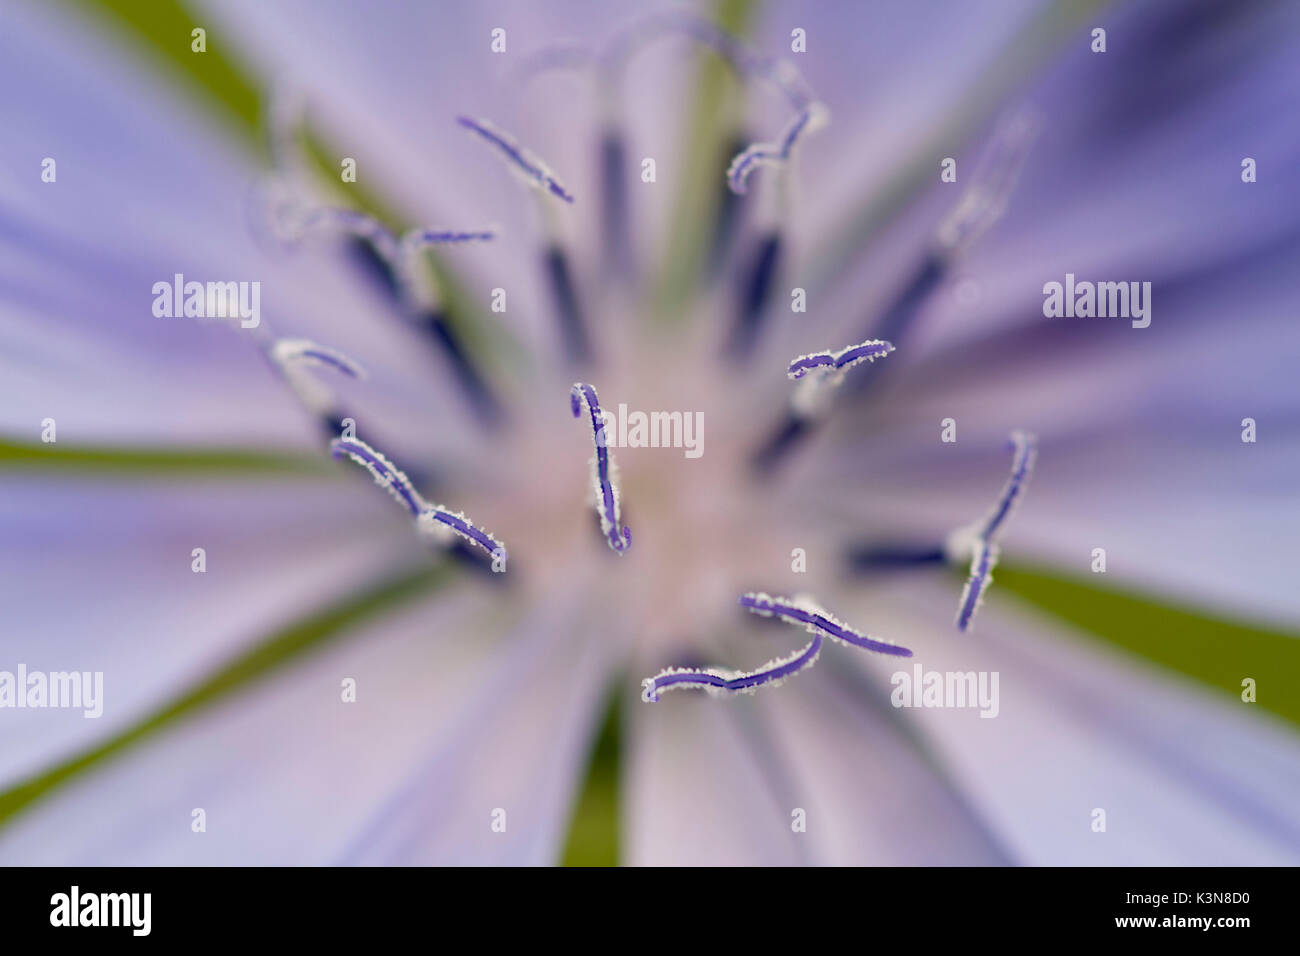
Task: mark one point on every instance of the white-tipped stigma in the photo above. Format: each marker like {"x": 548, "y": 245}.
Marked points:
{"x": 841, "y": 361}
{"x": 294, "y": 223}
{"x": 604, "y": 470}
{"x": 800, "y": 610}
{"x": 295, "y": 357}
{"x": 804, "y": 611}
{"x": 725, "y": 682}
{"x": 387, "y": 475}
{"x": 435, "y": 522}
{"x": 979, "y": 540}
{"x": 811, "y": 118}
{"x": 444, "y": 525}
{"x": 532, "y": 171}
{"x": 983, "y": 560}
{"x": 819, "y": 374}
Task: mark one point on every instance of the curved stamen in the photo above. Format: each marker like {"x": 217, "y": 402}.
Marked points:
{"x": 537, "y": 175}
{"x": 387, "y": 475}
{"x": 531, "y": 168}
{"x": 287, "y": 208}
{"x": 814, "y": 619}
{"x": 610, "y": 64}
{"x": 980, "y": 206}
{"x": 981, "y": 576}
{"x": 290, "y": 352}
{"x": 719, "y": 681}
{"x": 416, "y": 239}
{"x": 396, "y": 257}
{"x": 292, "y": 357}
{"x": 759, "y": 277}
{"x": 730, "y": 214}
{"x": 819, "y": 375}
{"x": 840, "y": 361}
{"x": 808, "y": 119}
{"x": 602, "y": 469}
{"x": 1025, "y": 447}
{"x": 434, "y": 516}
{"x": 397, "y": 252}
{"x": 817, "y": 620}
{"x": 430, "y": 519}
{"x": 983, "y": 540}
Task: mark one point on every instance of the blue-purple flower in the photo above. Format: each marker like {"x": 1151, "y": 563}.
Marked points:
{"x": 292, "y": 674}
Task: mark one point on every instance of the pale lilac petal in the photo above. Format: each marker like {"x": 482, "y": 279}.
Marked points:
{"x": 518, "y": 744}
{"x": 134, "y": 205}
{"x": 126, "y": 600}
{"x": 1186, "y": 776}
{"x": 699, "y": 792}
{"x": 285, "y": 771}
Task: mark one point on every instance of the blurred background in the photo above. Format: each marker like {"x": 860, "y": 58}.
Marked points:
{"x": 146, "y": 140}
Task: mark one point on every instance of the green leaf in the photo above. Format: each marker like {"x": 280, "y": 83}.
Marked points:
{"x": 150, "y": 460}
{"x": 1216, "y": 652}
{"x": 593, "y": 834}
{"x": 279, "y": 650}
{"x": 163, "y": 27}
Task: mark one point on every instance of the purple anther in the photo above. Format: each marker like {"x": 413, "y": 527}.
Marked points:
{"x": 816, "y": 620}
{"x": 607, "y": 501}
{"x": 520, "y": 159}
{"x": 840, "y": 361}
